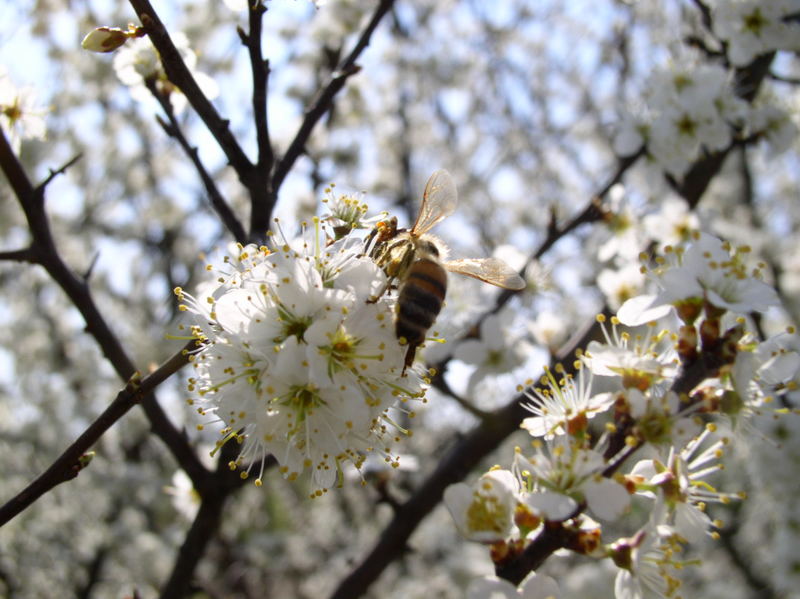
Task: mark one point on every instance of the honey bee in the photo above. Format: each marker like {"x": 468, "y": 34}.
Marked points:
{"x": 415, "y": 263}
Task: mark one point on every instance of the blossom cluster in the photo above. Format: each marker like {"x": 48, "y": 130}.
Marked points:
{"x": 675, "y": 380}
{"x": 298, "y": 358}
{"x": 753, "y": 27}
{"x": 687, "y": 111}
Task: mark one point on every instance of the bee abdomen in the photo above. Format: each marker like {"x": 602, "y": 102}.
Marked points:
{"x": 420, "y": 301}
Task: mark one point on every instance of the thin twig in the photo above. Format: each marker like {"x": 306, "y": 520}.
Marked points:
{"x": 68, "y": 464}
{"x": 23, "y": 255}
{"x": 219, "y": 204}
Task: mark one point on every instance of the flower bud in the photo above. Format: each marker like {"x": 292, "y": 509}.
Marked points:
{"x": 108, "y": 39}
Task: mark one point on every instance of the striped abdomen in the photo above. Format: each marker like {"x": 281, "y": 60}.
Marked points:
{"x": 421, "y": 298}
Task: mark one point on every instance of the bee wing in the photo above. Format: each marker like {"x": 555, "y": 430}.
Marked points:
{"x": 488, "y": 270}
{"x": 439, "y": 201}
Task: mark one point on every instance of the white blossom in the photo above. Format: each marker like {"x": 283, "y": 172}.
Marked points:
{"x": 138, "y": 61}
{"x": 20, "y": 114}
{"x": 484, "y": 512}
{"x": 753, "y": 27}
{"x": 535, "y": 586}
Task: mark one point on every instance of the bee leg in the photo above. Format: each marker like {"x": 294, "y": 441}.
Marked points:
{"x": 410, "y": 353}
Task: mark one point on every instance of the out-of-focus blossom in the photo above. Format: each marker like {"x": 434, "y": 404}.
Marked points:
{"x": 535, "y": 586}
{"x": 753, "y": 27}
{"x": 20, "y": 115}
{"x": 484, "y": 512}
{"x": 138, "y": 63}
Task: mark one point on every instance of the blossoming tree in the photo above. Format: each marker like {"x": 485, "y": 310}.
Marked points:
{"x": 204, "y": 387}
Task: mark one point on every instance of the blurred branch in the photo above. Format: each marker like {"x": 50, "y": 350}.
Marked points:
{"x": 69, "y": 463}
{"x": 23, "y": 255}
{"x": 785, "y": 79}
{"x": 759, "y": 588}
{"x": 219, "y": 484}
{"x": 324, "y": 100}
{"x": 44, "y": 252}
{"x": 260, "y": 70}
{"x": 217, "y": 201}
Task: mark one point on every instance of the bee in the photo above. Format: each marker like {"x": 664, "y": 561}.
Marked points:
{"x": 415, "y": 263}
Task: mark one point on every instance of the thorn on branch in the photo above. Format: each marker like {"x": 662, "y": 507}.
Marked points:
{"x": 55, "y": 173}
{"x": 87, "y": 275}
{"x": 245, "y": 39}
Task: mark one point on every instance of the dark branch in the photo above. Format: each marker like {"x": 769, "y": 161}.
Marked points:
{"x": 263, "y": 194}
{"x": 260, "y": 71}
{"x": 77, "y": 289}
{"x": 217, "y": 201}
{"x": 220, "y": 484}
{"x": 179, "y": 74}
{"x": 68, "y": 464}
{"x": 23, "y": 255}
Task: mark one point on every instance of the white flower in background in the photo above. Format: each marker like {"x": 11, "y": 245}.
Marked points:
{"x": 565, "y": 405}
{"x": 773, "y": 365}
{"x": 620, "y": 284}
{"x": 294, "y": 360}
{"x": 753, "y": 27}
{"x": 20, "y": 115}
{"x": 673, "y": 223}
{"x": 626, "y": 238}
{"x": 237, "y": 5}
{"x": 688, "y": 109}
{"x": 708, "y": 270}
{"x": 550, "y": 329}
{"x": 496, "y": 351}
{"x": 484, "y": 511}
{"x": 535, "y": 586}
{"x": 775, "y": 124}
{"x": 185, "y": 498}
{"x": 138, "y": 61}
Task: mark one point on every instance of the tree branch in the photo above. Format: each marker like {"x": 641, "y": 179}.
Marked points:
{"x": 77, "y": 289}
{"x": 68, "y": 464}
{"x": 179, "y": 74}
{"x": 217, "y": 201}
{"x": 220, "y": 484}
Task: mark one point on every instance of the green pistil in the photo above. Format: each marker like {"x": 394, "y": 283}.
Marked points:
{"x": 293, "y": 326}
{"x": 251, "y": 374}
{"x": 302, "y": 399}
{"x": 755, "y": 22}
